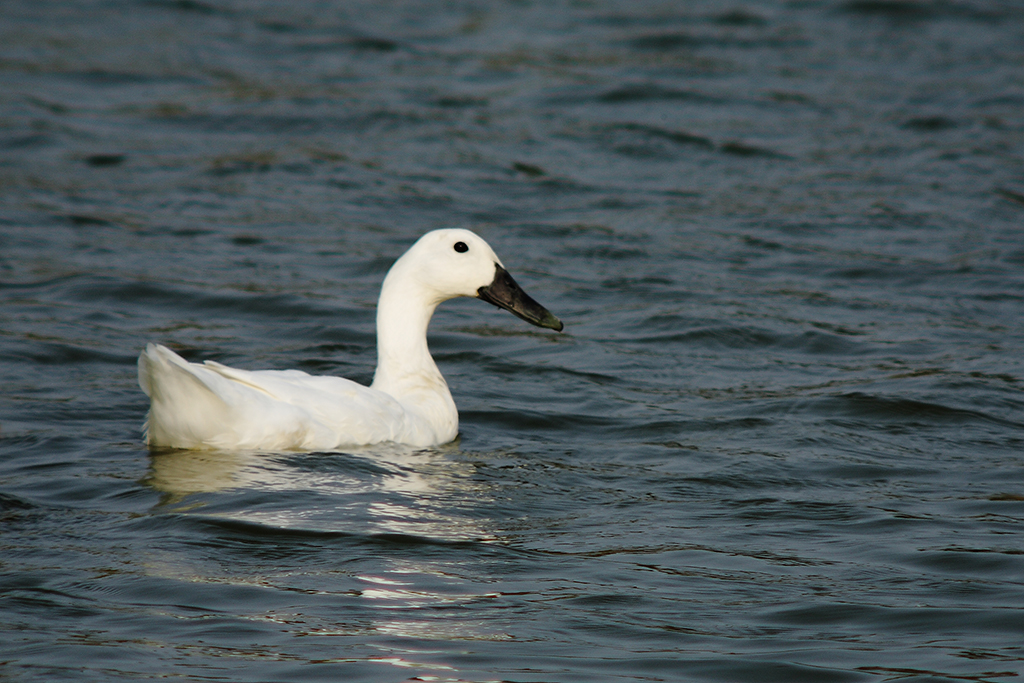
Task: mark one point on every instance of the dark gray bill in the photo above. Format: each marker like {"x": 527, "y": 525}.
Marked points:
{"x": 503, "y": 292}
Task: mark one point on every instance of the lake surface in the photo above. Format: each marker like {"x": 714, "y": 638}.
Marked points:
{"x": 781, "y": 438}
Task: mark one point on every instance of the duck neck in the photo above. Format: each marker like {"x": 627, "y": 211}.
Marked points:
{"x": 404, "y": 363}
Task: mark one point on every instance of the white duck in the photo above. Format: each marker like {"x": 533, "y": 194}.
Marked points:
{"x": 211, "y": 405}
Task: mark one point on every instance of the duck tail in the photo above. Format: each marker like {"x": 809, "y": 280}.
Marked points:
{"x": 185, "y": 410}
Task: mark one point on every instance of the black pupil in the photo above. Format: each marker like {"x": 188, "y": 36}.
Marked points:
{"x": 461, "y": 247}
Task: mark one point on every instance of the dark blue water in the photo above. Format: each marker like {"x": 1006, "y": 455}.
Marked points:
{"x": 782, "y": 436}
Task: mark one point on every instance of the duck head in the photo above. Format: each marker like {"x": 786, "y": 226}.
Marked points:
{"x": 454, "y": 262}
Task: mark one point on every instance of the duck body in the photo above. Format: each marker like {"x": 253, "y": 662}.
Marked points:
{"x": 213, "y": 406}
{"x": 209, "y": 405}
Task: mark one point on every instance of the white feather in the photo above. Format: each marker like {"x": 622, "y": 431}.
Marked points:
{"x": 211, "y": 405}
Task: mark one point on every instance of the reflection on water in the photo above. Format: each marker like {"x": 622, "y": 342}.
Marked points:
{"x": 401, "y": 593}
{"x": 387, "y": 488}
{"x": 398, "y": 468}
{"x": 386, "y": 494}
{"x": 180, "y": 473}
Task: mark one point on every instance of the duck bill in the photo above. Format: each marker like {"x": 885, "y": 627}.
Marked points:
{"x": 505, "y": 293}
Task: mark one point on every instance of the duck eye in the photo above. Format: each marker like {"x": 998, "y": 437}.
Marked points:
{"x": 461, "y": 247}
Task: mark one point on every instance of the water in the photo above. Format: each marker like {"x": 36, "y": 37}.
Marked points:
{"x": 781, "y": 438}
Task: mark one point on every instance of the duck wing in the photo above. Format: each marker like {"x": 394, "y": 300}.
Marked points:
{"x": 211, "y": 405}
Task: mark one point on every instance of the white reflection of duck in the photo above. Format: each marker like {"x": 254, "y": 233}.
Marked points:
{"x": 390, "y": 467}
{"x": 202, "y": 406}
{"x": 386, "y": 488}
